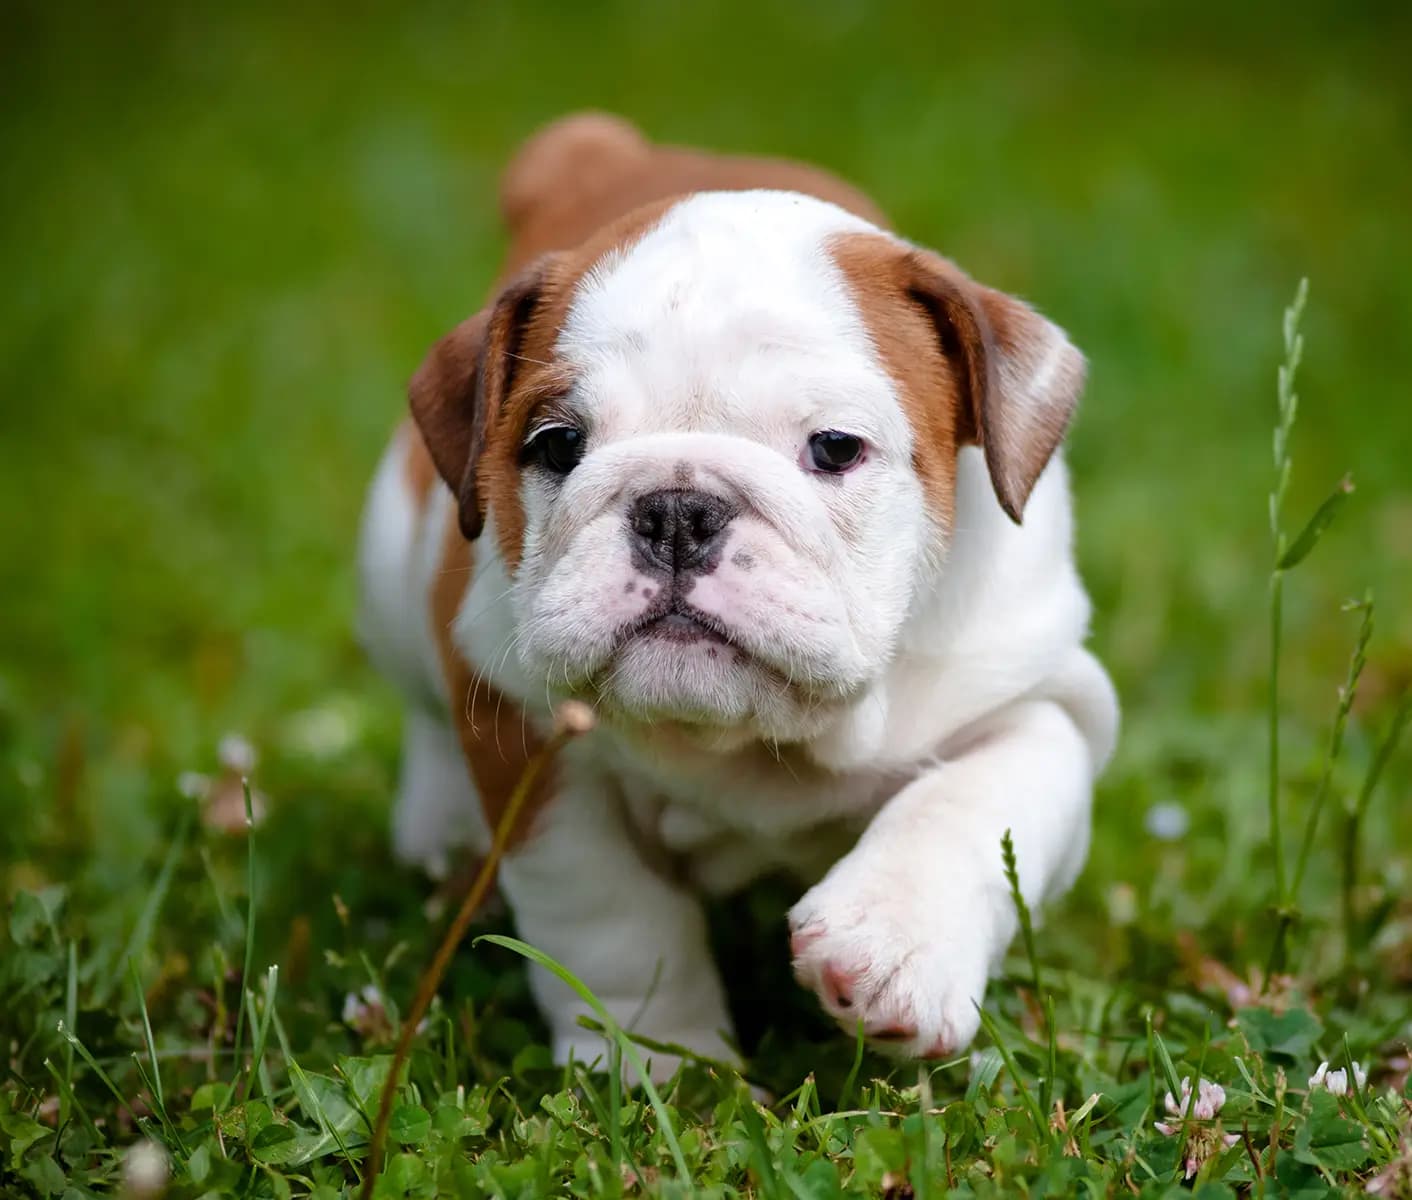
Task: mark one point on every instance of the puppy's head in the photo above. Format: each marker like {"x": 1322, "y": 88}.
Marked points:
{"x": 717, "y": 448}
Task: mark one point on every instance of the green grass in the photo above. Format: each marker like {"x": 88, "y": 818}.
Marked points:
{"x": 229, "y": 236}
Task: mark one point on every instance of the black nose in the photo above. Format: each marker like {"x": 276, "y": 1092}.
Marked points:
{"x": 677, "y": 530}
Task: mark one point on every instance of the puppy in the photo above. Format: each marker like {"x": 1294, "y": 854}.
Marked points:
{"x": 780, "y": 495}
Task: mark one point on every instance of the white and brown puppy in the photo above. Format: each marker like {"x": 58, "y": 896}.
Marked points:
{"x": 779, "y": 494}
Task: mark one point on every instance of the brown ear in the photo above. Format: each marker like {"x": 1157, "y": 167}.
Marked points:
{"x": 1020, "y": 375}
{"x": 462, "y": 383}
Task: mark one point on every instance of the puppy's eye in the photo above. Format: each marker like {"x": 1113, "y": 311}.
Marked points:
{"x": 557, "y": 448}
{"x": 833, "y": 452}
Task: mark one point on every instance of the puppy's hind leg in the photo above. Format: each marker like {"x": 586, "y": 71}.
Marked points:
{"x": 437, "y": 809}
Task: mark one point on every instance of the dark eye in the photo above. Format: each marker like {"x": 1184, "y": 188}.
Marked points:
{"x": 833, "y": 452}
{"x": 559, "y": 448}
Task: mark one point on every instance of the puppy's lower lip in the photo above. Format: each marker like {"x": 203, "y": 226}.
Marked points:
{"x": 681, "y": 627}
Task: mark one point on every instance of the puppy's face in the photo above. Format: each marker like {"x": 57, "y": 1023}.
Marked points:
{"x": 718, "y": 447}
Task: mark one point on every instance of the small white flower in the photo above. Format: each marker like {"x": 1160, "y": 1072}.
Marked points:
{"x": 323, "y": 733}
{"x": 1122, "y": 904}
{"x": 1336, "y": 1082}
{"x": 193, "y": 785}
{"x": 145, "y": 1170}
{"x": 1210, "y": 1097}
{"x": 366, "y": 1013}
{"x": 237, "y": 754}
{"x": 1167, "y": 822}
{"x": 364, "y": 1008}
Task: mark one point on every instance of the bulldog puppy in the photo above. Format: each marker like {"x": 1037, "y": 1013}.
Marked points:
{"x": 779, "y": 494}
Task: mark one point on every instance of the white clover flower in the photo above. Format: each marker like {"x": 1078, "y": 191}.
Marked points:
{"x": 1336, "y": 1082}
{"x": 365, "y": 1012}
{"x": 323, "y": 733}
{"x": 145, "y": 1170}
{"x": 1210, "y": 1097}
{"x": 237, "y": 754}
{"x": 193, "y": 785}
{"x": 1167, "y": 822}
{"x": 364, "y": 1008}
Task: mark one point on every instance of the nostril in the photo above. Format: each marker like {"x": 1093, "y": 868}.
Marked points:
{"x": 677, "y": 529}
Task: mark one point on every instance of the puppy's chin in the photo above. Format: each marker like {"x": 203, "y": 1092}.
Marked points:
{"x": 676, "y": 672}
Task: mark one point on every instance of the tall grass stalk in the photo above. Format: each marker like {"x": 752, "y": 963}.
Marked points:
{"x": 1354, "y": 816}
{"x": 1288, "y": 554}
{"x": 1288, "y": 409}
{"x": 249, "y": 963}
{"x": 1346, "y": 695}
{"x": 1022, "y": 910}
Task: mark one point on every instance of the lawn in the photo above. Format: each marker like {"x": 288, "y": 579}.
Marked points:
{"x": 231, "y": 231}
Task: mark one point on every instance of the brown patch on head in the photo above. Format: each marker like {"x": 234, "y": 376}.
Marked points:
{"x": 971, "y": 365}
{"x": 475, "y": 392}
{"x": 496, "y": 740}
{"x": 586, "y": 170}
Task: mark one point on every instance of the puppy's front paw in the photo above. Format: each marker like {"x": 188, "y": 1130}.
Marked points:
{"x": 908, "y": 961}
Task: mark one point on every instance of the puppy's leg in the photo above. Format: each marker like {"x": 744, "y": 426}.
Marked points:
{"x": 437, "y": 810}
{"x": 903, "y": 931}
{"x": 582, "y": 894}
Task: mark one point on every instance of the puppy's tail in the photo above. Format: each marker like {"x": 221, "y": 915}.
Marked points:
{"x": 581, "y": 154}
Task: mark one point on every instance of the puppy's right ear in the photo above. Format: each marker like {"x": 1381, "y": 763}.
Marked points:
{"x": 463, "y": 382}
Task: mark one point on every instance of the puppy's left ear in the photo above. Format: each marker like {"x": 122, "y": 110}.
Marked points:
{"x": 1020, "y": 376}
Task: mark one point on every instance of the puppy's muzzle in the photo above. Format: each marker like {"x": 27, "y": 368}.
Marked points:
{"x": 679, "y": 530}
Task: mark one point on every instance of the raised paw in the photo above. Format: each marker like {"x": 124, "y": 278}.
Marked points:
{"x": 912, "y": 971}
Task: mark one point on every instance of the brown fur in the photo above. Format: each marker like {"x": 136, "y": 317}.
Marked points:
{"x": 418, "y": 470}
{"x": 585, "y": 171}
{"x": 906, "y": 340}
{"x": 963, "y": 357}
{"x": 495, "y": 738}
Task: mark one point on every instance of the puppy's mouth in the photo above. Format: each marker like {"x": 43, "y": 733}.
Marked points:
{"x": 677, "y": 621}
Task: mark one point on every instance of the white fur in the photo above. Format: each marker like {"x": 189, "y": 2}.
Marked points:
{"x": 924, "y": 687}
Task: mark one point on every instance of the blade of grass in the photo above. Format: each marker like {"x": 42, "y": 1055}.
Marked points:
{"x": 571, "y": 720}
{"x": 615, "y": 1031}
{"x": 1046, "y": 1092}
{"x": 262, "y": 1033}
{"x": 1353, "y": 822}
{"x": 851, "y": 1079}
{"x": 62, "y": 1080}
{"x": 1041, "y": 1126}
{"x": 249, "y": 960}
{"x": 155, "y": 1076}
{"x": 1346, "y": 695}
{"x": 142, "y": 931}
{"x": 308, "y": 1098}
{"x": 760, "y": 1156}
{"x": 71, "y": 1020}
{"x": 92, "y": 1064}
{"x": 1318, "y": 524}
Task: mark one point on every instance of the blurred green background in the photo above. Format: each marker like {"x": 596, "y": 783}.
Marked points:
{"x": 229, "y": 233}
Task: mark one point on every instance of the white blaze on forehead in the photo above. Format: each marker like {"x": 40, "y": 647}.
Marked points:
{"x": 728, "y": 294}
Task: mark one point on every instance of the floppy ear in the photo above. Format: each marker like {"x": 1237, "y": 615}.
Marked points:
{"x": 1020, "y": 375}
{"x": 462, "y": 383}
